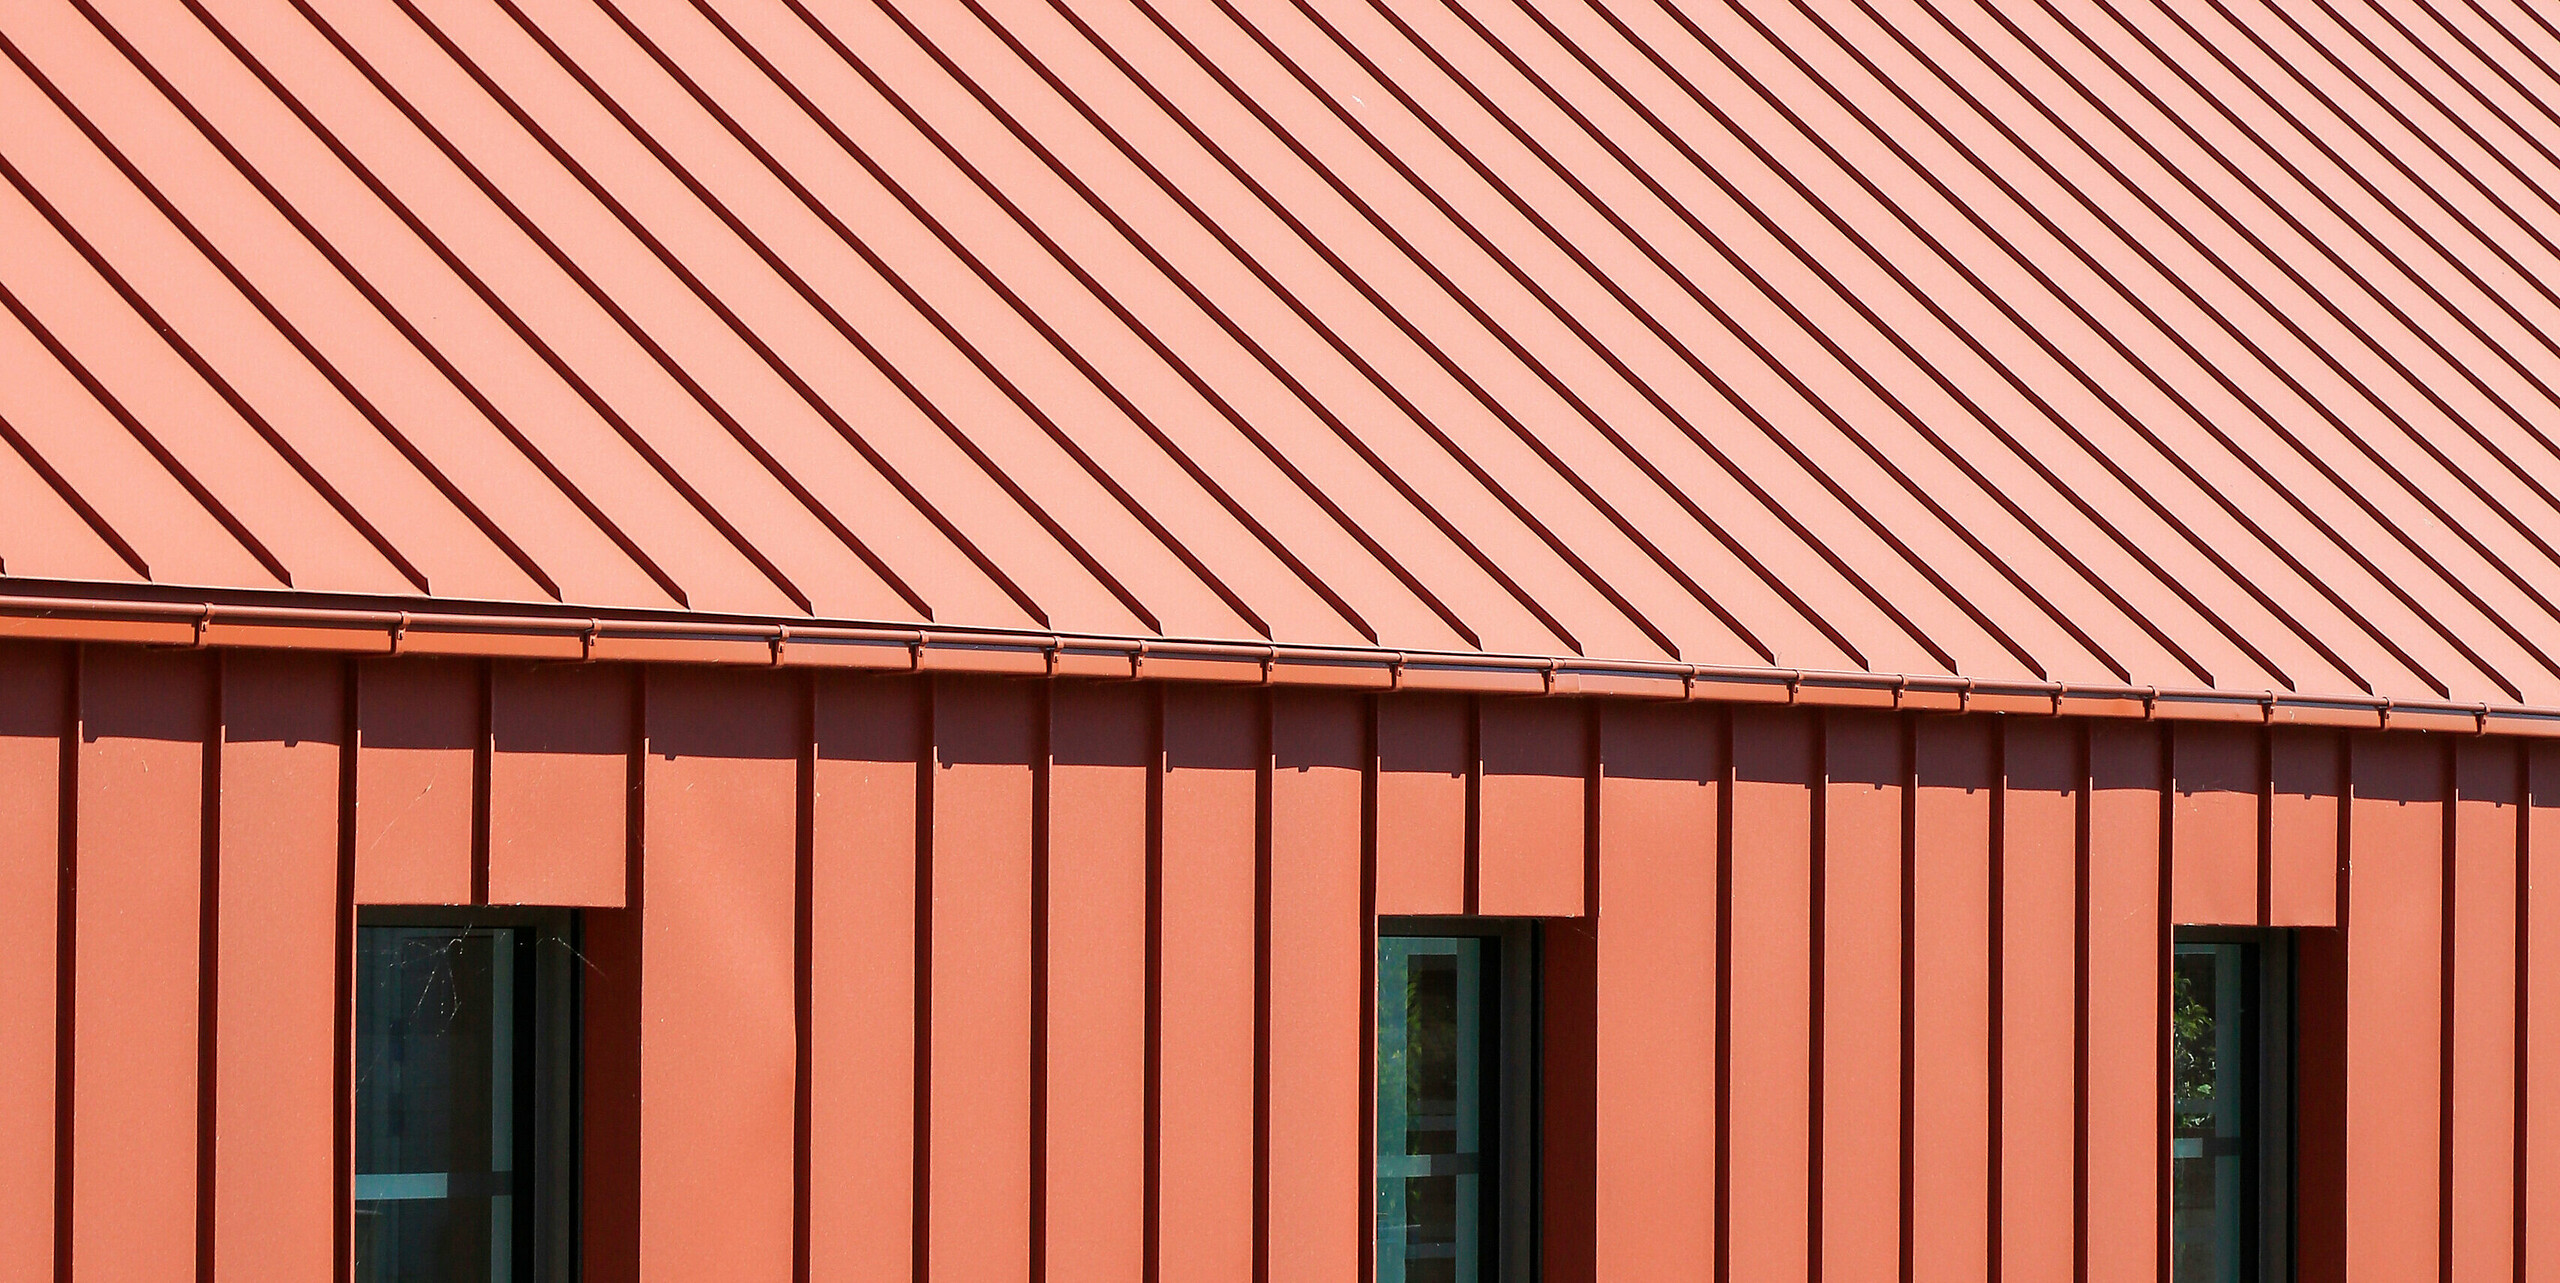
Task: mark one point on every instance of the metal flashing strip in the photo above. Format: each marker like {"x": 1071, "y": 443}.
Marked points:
{"x": 491, "y": 634}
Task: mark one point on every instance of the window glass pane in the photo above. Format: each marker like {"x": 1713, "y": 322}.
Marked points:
{"x": 1435, "y": 1165}
{"x": 2214, "y": 1149}
{"x": 437, "y": 1080}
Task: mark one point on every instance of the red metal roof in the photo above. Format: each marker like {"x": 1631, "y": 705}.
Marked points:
{"x": 2206, "y": 342}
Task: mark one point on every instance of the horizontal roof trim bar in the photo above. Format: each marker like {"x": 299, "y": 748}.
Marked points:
{"x": 894, "y": 648}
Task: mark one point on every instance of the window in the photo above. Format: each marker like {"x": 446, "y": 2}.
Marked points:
{"x": 1457, "y": 1104}
{"x": 464, "y": 1124}
{"x": 2230, "y": 1152}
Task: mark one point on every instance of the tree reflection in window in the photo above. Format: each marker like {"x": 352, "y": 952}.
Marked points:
{"x": 2214, "y": 1062}
{"x": 1434, "y": 1159}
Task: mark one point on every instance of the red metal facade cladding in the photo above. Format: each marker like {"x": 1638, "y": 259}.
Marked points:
{"x": 897, "y": 977}
{"x": 2179, "y": 343}
{"x": 2138, "y": 343}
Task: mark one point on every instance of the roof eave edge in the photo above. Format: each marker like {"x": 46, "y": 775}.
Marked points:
{"x": 552, "y": 636}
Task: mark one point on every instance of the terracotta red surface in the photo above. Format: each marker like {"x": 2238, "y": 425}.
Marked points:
{"x": 2147, "y": 342}
{"x": 861, "y": 977}
{"x": 1656, "y": 1013}
{"x": 1102, "y": 742}
{"x": 2036, "y": 996}
{"x": 976, "y": 997}
{"x": 139, "y": 1004}
{"x": 2125, "y": 959}
{"x": 1206, "y": 920}
{"x": 2175, "y": 351}
{"x": 1866, "y": 786}
{"x": 280, "y": 917}
{"x": 34, "y": 712}
{"x": 2488, "y": 788}
{"x": 1318, "y": 1204}
{"x": 2396, "y": 959}
{"x": 1767, "y": 980}
{"x": 1859, "y": 988}
{"x": 2539, "y": 1201}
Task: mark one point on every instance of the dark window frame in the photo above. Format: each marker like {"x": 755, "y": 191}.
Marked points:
{"x": 2275, "y": 1065}
{"x": 549, "y": 1038}
{"x": 1514, "y": 1060}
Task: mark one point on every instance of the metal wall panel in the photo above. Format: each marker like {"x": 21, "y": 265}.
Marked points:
{"x": 1529, "y": 821}
{"x": 141, "y": 859}
{"x": 959, "y": 974}
{"x": 2214, "y": 871}
{"x": 2395, "y": 996}
{"x": 2538, "y": 1107}
{"x": 1570, "y": 1102}
{"x": 1207, "y": 1036}
{"x": 2036, "y": 863}
{"x": 421, "y": 731}
{"x": 1952, "y": 947}
{"x": 610, "y": 1154}
{"x": 1866, "y": 790}
{"x": 865, "y": 838}
{"x": 1767, "y": 1022}
{"x": 1655, "y": 994}
{"x": 1097, "y": 912}
{"x": 1426, "y": 754}
{"x": 2481, "y": 1026}
{"x": 559, "y": 769}
{"x": 976, "y": 1029}
{"x": 1316, "y": 1208}
{"x": 2124, "y": 1039}
{"x": 720, "y": 997}
{"x": 2320, "y": 1107}
{"x": 2305, "y": 806}
{"x": 35, "y": 716}
{"x": 281, "y": 917}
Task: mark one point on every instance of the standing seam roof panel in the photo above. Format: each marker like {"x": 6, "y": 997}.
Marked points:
{"x": 336, "y": 429}
{"x": 713, "y": 287}
{"x": 2323, "y": 565}
{"x": 1987, "y": 260}
{"x": 1253, "y": 387}
{"x": 1790, "y": 298}
{"x": 492, "y": 355}
{"x": 802, "y": 252}
{"x": 578, "y": 540}
{"x": 2371, "y": 383}
{"x": 1034, "y": 267}
{"x": 500, "y": 482}
{"x": 1875, "y": 416}
{"x": 2142, "y": 341}
{"x": 1077, "y": 406}
{"x": 2269, "y": 394}
{"x": 1531, "y": 268}
{"x": 1366, "y": 411}
{"x": 54, "y": 539}
{"x": 1958, "y": 374}
{"x": 527, "y": 294}
{"x": 101, "y": 339}
{"x": 1226, "y": 165}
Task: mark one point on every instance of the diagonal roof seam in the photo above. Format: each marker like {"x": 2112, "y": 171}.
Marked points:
{"x": 2149, "y": 343}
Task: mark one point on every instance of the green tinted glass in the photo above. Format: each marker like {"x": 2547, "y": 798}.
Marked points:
{"x": 438, "y": 1107}
{"x": 1435, "y": 1160}
{"x": 2219, "y": 1102}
